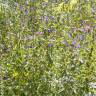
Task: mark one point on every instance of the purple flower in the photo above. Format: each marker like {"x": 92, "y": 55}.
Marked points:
{"x": 70, "y": 34}
{"x": 21, "y": 7}
{"x": 50, "y": 45}
{"x": 44, "y": 18}
{"x": 65, "y": 42}
{"x": 78, "y": 46}
{"x": 74, "y": 42}
{"x": 26, "y": 12}
{"x": 49, "y": 30}
{"x": 81, "y": 37}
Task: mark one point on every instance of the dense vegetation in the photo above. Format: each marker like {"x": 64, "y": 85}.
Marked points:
{"x": 47, "y": 47}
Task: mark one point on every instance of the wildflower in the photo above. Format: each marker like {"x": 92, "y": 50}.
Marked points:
{"x": 70, "y": 34}
{"x": 74, "y": 42}
{"x": 26, "y": 12}
{"x": 65, "y": 43}
{"x": 81, "y": 37}
{"x": 93, "y": 84}
{"x": 49, "y": 30}
{"x": 21, "y": 7}
{"x": 78, "y": 46}
{"x": 50, "y": 45}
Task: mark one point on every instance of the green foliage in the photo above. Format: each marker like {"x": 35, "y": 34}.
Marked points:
{"x": 48, "y": 48}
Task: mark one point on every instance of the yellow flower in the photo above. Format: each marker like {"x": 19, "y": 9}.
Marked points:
{"x": 72, "y": 4}
{"x": 66, "y": 7}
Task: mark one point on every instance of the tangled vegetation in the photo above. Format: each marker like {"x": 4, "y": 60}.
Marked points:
{"x": 48, "y": 48}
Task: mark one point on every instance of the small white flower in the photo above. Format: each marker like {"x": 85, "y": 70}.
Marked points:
{"x": 93, "y": 84}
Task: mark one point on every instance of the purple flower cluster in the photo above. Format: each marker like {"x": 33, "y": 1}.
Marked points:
{"x": 21, "y": 7}
{"x": 75, "y": 44}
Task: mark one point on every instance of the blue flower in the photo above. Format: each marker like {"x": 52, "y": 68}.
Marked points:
{"x": 70, "y": 34}
{"x": 49, "y": 30}
{"x": 65, "y": 42}
{"x": 74, "y": 42}
{"x": 78, "y": 46}
{"x": 81, "y": 37}
{"x": 50, "y": 45}
{"x": 21, "y": 7}
{"x": 26, "y": 12}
